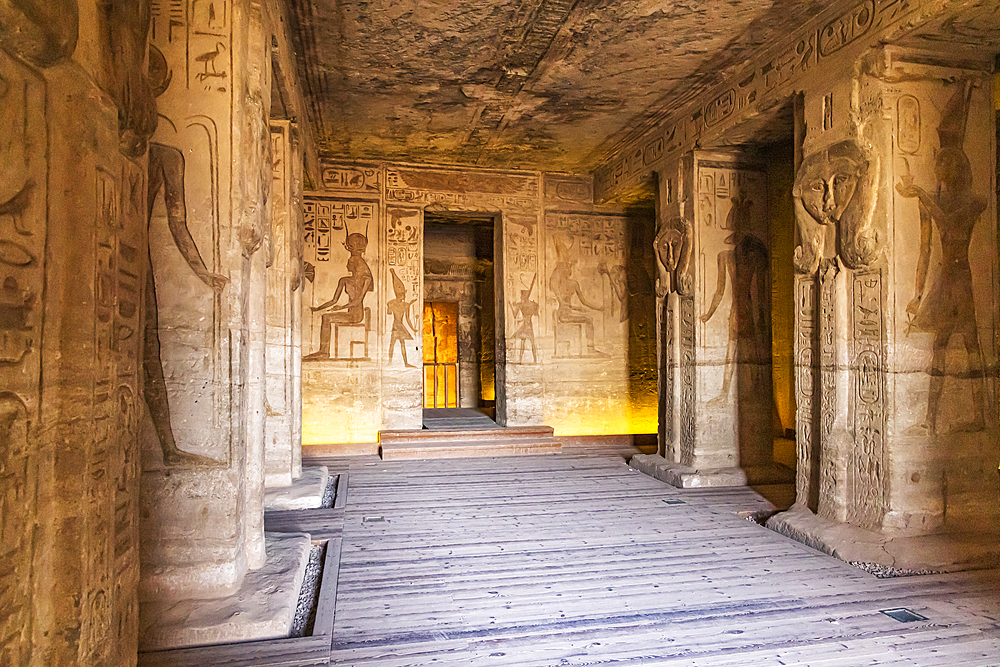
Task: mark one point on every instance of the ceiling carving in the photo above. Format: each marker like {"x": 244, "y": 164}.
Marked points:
{"x": 530, "y": 84}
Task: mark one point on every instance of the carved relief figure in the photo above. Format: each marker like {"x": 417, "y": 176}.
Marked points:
{"x": 672, "y": 248}
{"x": 402, "y": 325}
{"x": 564, "y": 287}
{"x": 746, "y": 265}
{"x": 524, "y": 311}
{"x": 835, "y": 193}
{"x": 948, "y": 307}
{"x": 619, "y": 285}
{"x": 357, "y": 285}
{"x": 166, "y": 174}
{"x": 125, "y": 28}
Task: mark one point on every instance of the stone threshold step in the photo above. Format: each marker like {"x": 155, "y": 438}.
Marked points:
{"x": 492, "y": 434}
{"x": 468, "y": 449}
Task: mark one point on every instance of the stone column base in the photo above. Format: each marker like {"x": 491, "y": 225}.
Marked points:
{"x": 943, "y": 552}
{"x": 685, "y": 477}
{"x": 262, "y": 608}
{"x": 304, "y": 493}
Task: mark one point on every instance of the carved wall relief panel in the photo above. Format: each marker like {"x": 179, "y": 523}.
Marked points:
{"x": 689, "y": 380}
{"x": 866, "y": 465}
{"x": 23, "y": 227}
{"x": 829, "y": 481}
{"x": 806, "y": 423}
{"x": 587, "y": 284}
{"x": 339, "y": 311}
{"x": 188, "y": 293}
{"x": 404, "y": 250}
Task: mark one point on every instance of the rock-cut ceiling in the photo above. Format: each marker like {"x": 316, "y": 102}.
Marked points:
{"x": 542, "y": 84}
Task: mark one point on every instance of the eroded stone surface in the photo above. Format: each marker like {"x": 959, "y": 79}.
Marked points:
{"x": 263, "y": 606}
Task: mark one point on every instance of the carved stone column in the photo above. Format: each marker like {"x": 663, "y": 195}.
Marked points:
{"x": 279, "y": 438}
{"x": 714, "y": 322}
{"x": 897, "y": 301}
{"x": 203, "y": 430}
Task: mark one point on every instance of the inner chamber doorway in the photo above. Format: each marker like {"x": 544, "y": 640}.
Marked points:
{"x": 459, "y": 297}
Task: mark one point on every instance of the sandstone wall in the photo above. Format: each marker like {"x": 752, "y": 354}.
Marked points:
{"x": 576, "y": 378}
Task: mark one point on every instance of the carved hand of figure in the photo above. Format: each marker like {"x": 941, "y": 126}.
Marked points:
{"x": 216, "y": 281}
{"x": 914, "y": 305}
{"x": 685, "y": 285}
{"x": 906, "y": 188}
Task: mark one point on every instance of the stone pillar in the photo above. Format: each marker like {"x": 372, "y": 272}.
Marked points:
{"x": 279, "y": 448}
{"x": 897, "y": 298}
{"x": 72, "y": 230}
{"x": 203, "y": 445}
{"x": 402, "y": 306}
{"x": 297, "y": 286}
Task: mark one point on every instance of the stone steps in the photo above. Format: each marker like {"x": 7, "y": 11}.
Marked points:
{"x": 427, "y": 444}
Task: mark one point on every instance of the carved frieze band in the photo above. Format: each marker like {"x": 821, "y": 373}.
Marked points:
{"x": 670, "y": 365}
{"x": 751, "y": 91}
{"x": 688, "y": 379}
{"x": 828, "y": 388}
{"x": 805, "y": 383}
{"x": 866, "y": 465}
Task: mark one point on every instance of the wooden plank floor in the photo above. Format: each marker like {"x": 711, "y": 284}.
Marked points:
{"x": 577, "y": 560}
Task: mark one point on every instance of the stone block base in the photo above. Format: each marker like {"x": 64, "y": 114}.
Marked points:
{"x": 305, "y": 493}
{"x": 262, "y": 608}
{"x": 685, "y": 477}
{"x": 943, "y": 552}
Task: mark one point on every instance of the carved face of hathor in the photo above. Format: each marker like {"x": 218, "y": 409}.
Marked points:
{"x": 826, "y": 187}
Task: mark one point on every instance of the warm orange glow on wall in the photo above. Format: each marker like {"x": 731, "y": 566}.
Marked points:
{"x": 440, "y": 354}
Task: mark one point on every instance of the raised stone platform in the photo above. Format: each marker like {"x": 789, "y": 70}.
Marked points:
{"x": 262, "y": 608}
{"x": 943, "y": 552}
{"x": 685, "y": 477}
{"x": 427, "y": 444}
{"x": 305, "y": 493}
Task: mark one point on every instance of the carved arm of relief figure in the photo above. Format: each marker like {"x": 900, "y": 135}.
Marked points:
{"x": 43, "y": 32}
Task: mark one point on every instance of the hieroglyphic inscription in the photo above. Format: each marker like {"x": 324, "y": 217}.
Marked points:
{"x": 325, "y": 221}
{"x": 805, "y": 389}
{"x": 670, "y": 380}
{"x": 351, "y": 178}
{"x": 828, "y": 382}
{"x": 804, "y": 49}
{"x": 866, "y": 466}
{"x": 23, "y": 231}
{"x": 719, "y": 187}
{"x": 403, "y": 259}
{"x": 688, "y": 379}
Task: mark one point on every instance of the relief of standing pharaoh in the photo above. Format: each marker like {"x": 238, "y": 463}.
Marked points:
{"x": 402, "y": 325}
{"x": 948, "y": 307}
{"x": 166, "y": 175}
{"x": 357, "y": 285}
{"x": 835, "y": 193}
{"x": 746, "y": 263}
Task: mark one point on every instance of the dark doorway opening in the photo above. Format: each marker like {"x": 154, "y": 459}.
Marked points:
{"x": 459, "y": 319}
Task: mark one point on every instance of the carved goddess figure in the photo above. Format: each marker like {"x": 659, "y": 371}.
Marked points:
{"x": 564, "y": 287}
{"x": 357, "y": 285}
{"x": 672, "y": 247}
{"x": 835, "y": 193}
{"x": 948, "y": 308}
